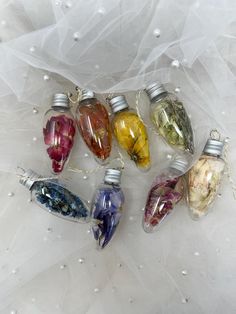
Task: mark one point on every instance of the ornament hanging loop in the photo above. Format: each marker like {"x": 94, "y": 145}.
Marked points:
{"x": 215, "y": 135}
{"x": 77, "y": 96}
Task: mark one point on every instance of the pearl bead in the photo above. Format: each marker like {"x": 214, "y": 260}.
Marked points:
{"x": 113, "y": 289}
{"x": 86, "y": 155}
{"x": 169, "y": 156}
{"x": 175, "y": 64}
{"x": 35, "y": 139}
{"x": 88, "y": 231}
{"x": 184, "y": 272}
{"x": 62, "y": 266}
{"x": 96, "y": 290}
{"x": 101, "y": 11}
{"x": 10, "y": 194}
{"x": 196, "y": 253}
{"x": 46, "y": 77}
{"x": 76, "y": 36}
{"x": 85, "y": 177}
{"x": 177, "y": 90}
{"x": 223, "y": 113}
{"x": 68, "y": 4}
{"x": 59, "y": 2}
{"x": 227, "y": 140}
{"x": 157, "y": 32}
{"x": 3, "y": 23}
{"x": 32, "y": 49}
{"x": 35, "y": 111}
{"x": 14, "y": 271}
{"x": 13, "y": 312}
{"x": 81, "y": 260}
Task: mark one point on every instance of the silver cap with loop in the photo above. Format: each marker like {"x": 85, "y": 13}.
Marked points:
{"x": 214, "y": 147}
{"x": 179, "y": 164}
{"x": 87, "y": 94}
{"x": 28, "y": 178}
{"x": 112, "y": 176}
{"x": 155, "y": 89}
{"x": 60, "y": 100}
{"x": 118, "y": 103}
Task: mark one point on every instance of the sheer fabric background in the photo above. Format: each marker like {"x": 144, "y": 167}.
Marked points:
{"x": 48, "y": 265}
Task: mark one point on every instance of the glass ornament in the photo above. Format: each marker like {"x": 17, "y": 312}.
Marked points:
{"x": 51, "y": 195}
{"x": 106, "y": 207}
{"x": 170, "y": 118}
{"x": 94, "y": 126}
{"x": 59, "y": 132}
{"x": 130, "y": 132}
{"x": 166, "y": 191}
{"x": 204, "y": 179}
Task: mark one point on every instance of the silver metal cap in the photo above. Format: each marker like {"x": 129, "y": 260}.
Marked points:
{"x": 154, "y": 90}
{"x": 118, "y": 103}
{"x": 86, "y": 94}
{"x": 60, "y": 100}
{"x": 214, "y": 147}
{"x": 28, "y": 178}
{"x": 179, "y": 164}
{"x": 112, "y": 176}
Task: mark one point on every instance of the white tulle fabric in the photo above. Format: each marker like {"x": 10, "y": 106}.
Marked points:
{"x": 48, "y": 265}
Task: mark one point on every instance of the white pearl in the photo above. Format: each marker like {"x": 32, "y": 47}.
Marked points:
{"x": 190, "y": 116}
{"x": 10, "y": 194}
{"x": 113, "y": 289}
{"x": 223, "y": 113}
{"x": 58, "y": 2}
{"x": 35, "y": 139}
{"x": 97, "y": 66}
{"x": 175, "y": 64}
{"x": 196, "y": 253}
{"x": 35, "y": 111}
{"x": 101, "y": 11}
{"x": 46, "y": 77}
{"x": 14, "y": 271}
{"x": 86, "y": 155}
{"x": 81, "y": 260}
{"x": 169, "y": 156}
{"x": 227, "y": 140}
{"x": 96, "y": 290}
{"x": 3, "y": 23}
{"x": 85, "y": 177}
{"x": 13, "y": 312}
{"x": 32, "y": 49}
{"x": 88, "y": 231}
{"x": 76, "y": 36}
{"x": 62, "y": 266}
{"x": 157, "y": 32}
{"x": 184, "y": 272}
{"x": 68, "y": 4}
{"x": 177, "y": 90}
